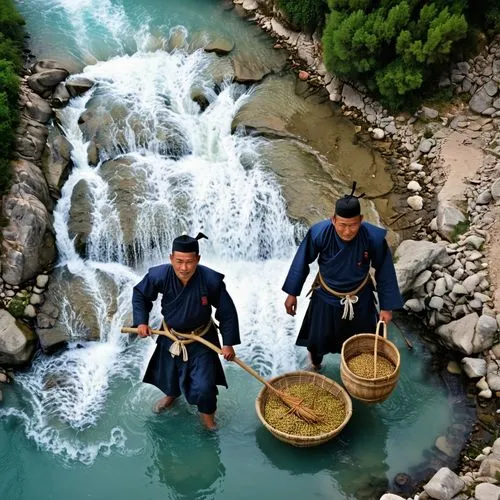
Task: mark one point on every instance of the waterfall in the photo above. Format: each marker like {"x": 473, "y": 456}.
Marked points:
{"x": 209, "y": 180}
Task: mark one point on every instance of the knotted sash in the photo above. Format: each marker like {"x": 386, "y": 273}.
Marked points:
{"x": 179, "y": 346}
{"x": 347, "y": 299}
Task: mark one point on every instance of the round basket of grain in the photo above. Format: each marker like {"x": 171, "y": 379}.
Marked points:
{"x": 369, "y": 366}
{"x": 329, "y": 401}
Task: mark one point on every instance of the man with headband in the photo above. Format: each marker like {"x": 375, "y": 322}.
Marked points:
{"x": 189, "y": 291}
{"x": 342, "y": 302}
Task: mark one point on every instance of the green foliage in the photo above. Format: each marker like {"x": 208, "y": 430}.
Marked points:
{"x": 11, "y": 43}
{"x": 393, "y": 46}
{"x": 11, "y": 22}
{"x": 459, "y": 229}
{"x": 17, "y": 305}
{"x": 9, "y": 51}
{"x": 307, "y": 15}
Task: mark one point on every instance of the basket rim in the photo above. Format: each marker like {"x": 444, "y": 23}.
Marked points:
{"x": 296, "y": 437}
{"x": 370, "y": 335}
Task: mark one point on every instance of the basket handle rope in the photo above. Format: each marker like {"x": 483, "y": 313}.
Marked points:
{"x": 383, "y": 324}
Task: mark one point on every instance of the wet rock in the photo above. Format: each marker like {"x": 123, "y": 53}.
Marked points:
{"x": 485, "y": 394}
{"x": 474, "y": 367}
{"x": 80, "y": 216}
{"x": 482, "y": 385}
{"x": 17, "y": 341}
{"x": 82, "y": 315}
{"x": 60, "y": 96}
{"x": 47, "y": 79}
{"x": 28, "y": 239}
{"x": 78, "y": 85}
{"x": 444, "y": 485}
{"x": 56, "y": 161}
{"x": 445, "y": 446}
{"x": 220, "y": 46}
{"x": 486, "y": 491}
{"x": 178, "y": 38}
{"x": 453, "y": 367}
{"x": 37, "y": 108}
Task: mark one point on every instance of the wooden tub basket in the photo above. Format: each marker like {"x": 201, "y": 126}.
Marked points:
{"x": 370, "y": 390}
{"x": 282, "y": 382}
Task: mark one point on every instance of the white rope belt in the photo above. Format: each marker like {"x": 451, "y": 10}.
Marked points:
{"x": 346, "y": 299}
{"x": 348, "y": 302}
{"x": 178, "y": 347}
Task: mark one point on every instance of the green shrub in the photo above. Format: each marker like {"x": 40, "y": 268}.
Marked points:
{"x": 11, "y": 21}
{"x": 16, "y": 306}
{"x": 459, "y": 229}
{"x": 307, "y": 15}
{"x": 393, "y": 47}
{"x": 11, "y": 44}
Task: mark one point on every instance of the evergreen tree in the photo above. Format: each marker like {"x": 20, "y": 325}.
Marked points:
{"x": 393, "y": 46}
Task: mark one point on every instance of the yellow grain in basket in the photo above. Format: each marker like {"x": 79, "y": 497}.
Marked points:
{"x": 331, "y": 411}
{"x": 363, "y": 365}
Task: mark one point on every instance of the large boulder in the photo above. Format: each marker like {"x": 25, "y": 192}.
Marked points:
{"x": 44, "y": 81}
{"x": 28, "y": 244}
{"x": 412, "y": 257}
{"x": 461, "y": 335}
{"x": 30, "y": 139}
{"x": 78, "y": 85}
{"x": 125, "y": 184}
{"x": 444, "y": 485}
{"x": 111, "y": 125}
{"x": 251, "y": 67}
{"x": 80, "y": 216}
{"x": 220, "y": 46}
{"x": 56, "y": 161}
{"x": 37, "y": 108}
{"x": 73, "y": 310}
{"x": 17, "y": 341}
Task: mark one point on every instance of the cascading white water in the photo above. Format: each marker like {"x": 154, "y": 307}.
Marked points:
{"x": 216, "y": 185}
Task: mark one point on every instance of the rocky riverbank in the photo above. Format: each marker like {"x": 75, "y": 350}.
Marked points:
{"x": 447, "y": 164}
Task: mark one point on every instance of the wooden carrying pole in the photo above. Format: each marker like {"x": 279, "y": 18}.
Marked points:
{"x": 294, "y": 403}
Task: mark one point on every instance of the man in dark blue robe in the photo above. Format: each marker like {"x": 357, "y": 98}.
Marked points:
{"x": 342, "y": 303}
{"x": 189, "y": 291}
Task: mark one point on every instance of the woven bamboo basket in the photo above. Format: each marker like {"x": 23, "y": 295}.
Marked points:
{"x": 302, "y": 377}
{"x": 369, "y": 390}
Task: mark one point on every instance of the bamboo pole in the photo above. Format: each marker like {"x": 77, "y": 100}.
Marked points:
{"x": 293, "y": 402}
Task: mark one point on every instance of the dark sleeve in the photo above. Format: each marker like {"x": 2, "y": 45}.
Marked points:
{"x": 143, "y": 296}
{"x": 226, "y": 315}
{"x": 306, "y": 254}
{"x": 385, "y": 275}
